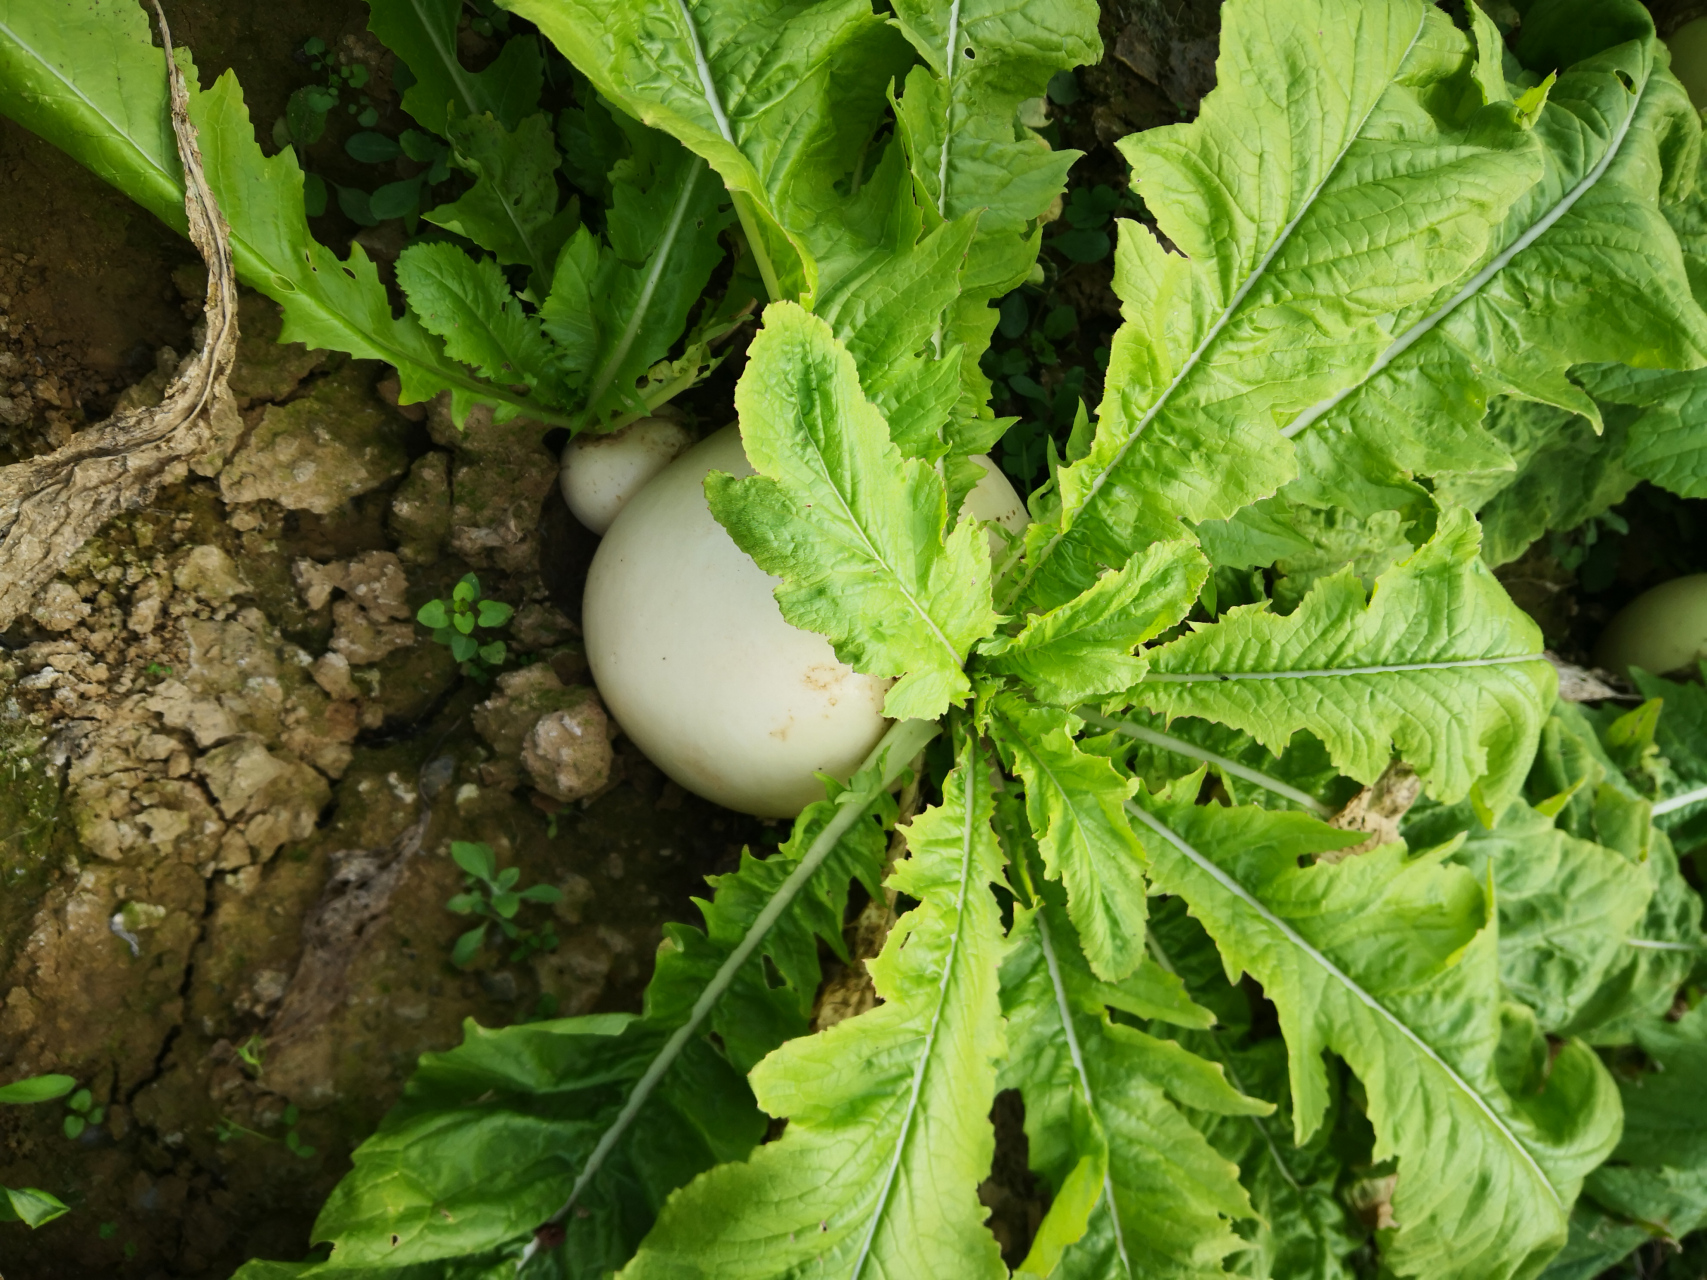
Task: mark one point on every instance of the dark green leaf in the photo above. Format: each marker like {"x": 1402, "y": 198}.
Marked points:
{"x": 433, "y": 614}
{"x": 372, "y": 148}
{"x": 467, "y": 945}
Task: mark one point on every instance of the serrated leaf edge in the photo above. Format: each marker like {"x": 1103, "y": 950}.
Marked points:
{"x": 1351, "y": 986}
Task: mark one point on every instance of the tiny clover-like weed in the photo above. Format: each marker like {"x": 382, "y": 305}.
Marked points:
{"x": 456, "y": 622}
{"x": 492, "y": 894}
{"x": 83, "y": 1113}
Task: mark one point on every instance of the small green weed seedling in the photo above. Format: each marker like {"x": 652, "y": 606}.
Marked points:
{"x": 455, "y": 622}
{"x": 492, "y": 894}
{"x": 253, "y": 1053}
{"x": 228, "y": 1129}
{"x": 31, "y": 1205}
{"x": 83, "y": 1113}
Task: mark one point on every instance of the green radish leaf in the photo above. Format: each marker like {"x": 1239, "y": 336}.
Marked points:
{"x": 1306, "y": 1228}
{"x": 981, "y": 59}
{"x": 1565, "y": 905}
{"x": 780, "y": 98}
{"x": 1102, "y": 1110}
{"x": 36, "y": 1089}
{"x": 423, "y": 34}
{"x": 1490, "y": 1158}
{"x": 1083, "y": 648}
{"x": 464, "y": 624}
{"x": 1665, "y": 1114}
{"x": 1583, "y": 268}
{"x": 511, "y": 210}
{"x": 888, "y": 1132}
{"x": 483, "y": 1147}
{"x": 433, "y": 614}
{"x": 1567, "y": 470}
{"x": 1075, "y": 805}
{"x": 468, "y": 303}
{"x": 466, "y": 590}
{"x": 1435, "y": 662}
{"x": 80, "y": 1101}
{"x": 74, "y": 1126}
{"x": 1667, "y": 944}
{"x": 30, "y": 1206}
{"x": 852, "y": 528}
{"x": 1361, "y": 110}
{"x": 493, "y": 654}
{"x": 616, "y": 310}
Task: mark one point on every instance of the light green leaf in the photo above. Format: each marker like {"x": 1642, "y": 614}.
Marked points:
{"x": 957, "y": 119}
{"x": 780, "y": 97}
{"x": 1437, "y": 662}
{"x": 1103, "y": 1098}
{"x": 1681, "y": 736}
{"x": 1302, "y": 776}
{"x": 1566, "y": 472}
{"x": 1584, "y": 268}
{"x": 1083, "y": 648}
{"x": 36, "y": 1089}
{"x": 1666, "y": 944}
{"x": 852, "y": 528}
{"x": 1486, "y": 1178}
{"x": 468, "y": 303}
{"x": 888, "y": 1133}
{"x": 617, "y": 310}
{"x": 1668, "y": 440}
{"x": 1665, "y": 1110}
{"x": 85, "y": 76}
{"x": 1323, "y": 177}
{"x": 1565, "y": 905}
{"x": 1074, "y": 803}
{"x": 887, "y": 307}
{"x": 31, "y": 1206}
{"x": 423, "y": 34}
{"x": 511, "y": 210}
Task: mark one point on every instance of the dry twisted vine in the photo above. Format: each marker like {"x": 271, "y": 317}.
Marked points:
{"x": 52, "y": 504}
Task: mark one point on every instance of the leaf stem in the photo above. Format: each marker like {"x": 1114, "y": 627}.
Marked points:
{"x": 1065, "y": 1010}
{"x": 1179, "y": 746}
{"x": 749, "y": 226}
{"x": 1677, "y": 802}
{"x": 904, "y": 740}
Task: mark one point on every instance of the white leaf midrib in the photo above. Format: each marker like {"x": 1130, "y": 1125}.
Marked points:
{"x": 1221, "y": 321}
{"x": 1078, "y": 1058}
{"x": 1320, "y": 673}
{"x": 949, "y": 967}
{"x": 1418, "y": 331}
{"x": 660, "y": 258}
{"x": 1350, "y": 985}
